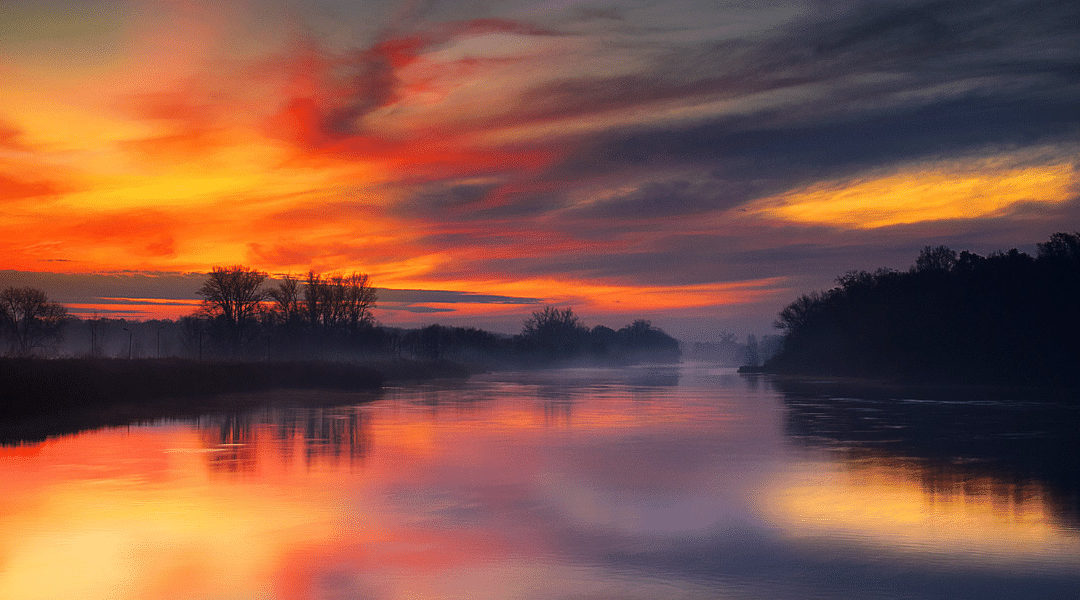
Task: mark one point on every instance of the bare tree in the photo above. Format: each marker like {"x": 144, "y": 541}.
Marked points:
{"x": 339, "y": 300}
{"x": 286, "y": 297}
{"x": 357, "y": 300}
{"x": 29, "y": 318}
{"x": 314, "y": 298}
{"x": 233, "y": 295}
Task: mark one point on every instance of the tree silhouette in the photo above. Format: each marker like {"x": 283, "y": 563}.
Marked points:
{"x": 1061, "y": 246}
{"x": 233, "y": 296}
{"x": 1006, "y": 317}
{"x": 554, "y": 332}
{"x": 286, "y": 297}
{"x": 935, "y": 258}
{"x": 338, "y": 301}
{"x": 29, "y": 318}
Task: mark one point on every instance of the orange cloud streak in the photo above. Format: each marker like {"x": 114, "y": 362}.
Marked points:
{"x": 965, "y": 191}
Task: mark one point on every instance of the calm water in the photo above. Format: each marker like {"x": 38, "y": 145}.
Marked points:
{"x": 641, "y": 483}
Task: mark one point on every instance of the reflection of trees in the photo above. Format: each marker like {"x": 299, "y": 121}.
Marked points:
{"x": 953, "y": 446}
{"x": 314, "y": 435}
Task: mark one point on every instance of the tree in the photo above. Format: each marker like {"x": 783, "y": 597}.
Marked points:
{"x": 314, "y": 298}
{"x": 555, "y": 332}
{"x": 1061, "y": 246}
{"x": 29, "y": 318}
{"x": 798, "y": 313}
{"x": 641, "y": 339}
{"x": 358, "y": 299}
{"x": 286, "y": 297}
{"x": 234, "y": 296}
{"x": 935, "y": 258}
{"x": 1004, "y": 318}
{"x": 335, "y": 301}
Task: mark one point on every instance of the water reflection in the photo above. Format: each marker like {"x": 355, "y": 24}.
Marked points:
{"x": 239, "y": 440}
{"x": 643, "y": 483}
{"x": 1013, "y": 447}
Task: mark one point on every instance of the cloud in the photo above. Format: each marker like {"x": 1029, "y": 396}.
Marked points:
{"x": 963, "y": 192}
{"x": 12, "y": 188}
{"x": 422, "y": 310}
{"x": 446, "y": 297}
{"x": 170, "y": 288}
{"x": 331, "y": 96}
{"x": 10, "y": 137}
{"x": 665, "y": 199}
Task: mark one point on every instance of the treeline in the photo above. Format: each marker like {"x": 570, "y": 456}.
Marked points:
{"x": 329, "y": 317}
{"x": 246, "y": 316}
{"x": 323, "y": 316}
{"x": 957, "y": 317}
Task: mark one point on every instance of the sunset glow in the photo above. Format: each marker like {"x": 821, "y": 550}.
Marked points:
{"x": 547, "y": 149}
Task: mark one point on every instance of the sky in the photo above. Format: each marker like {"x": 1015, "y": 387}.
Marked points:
{"x": 695, "y": 163}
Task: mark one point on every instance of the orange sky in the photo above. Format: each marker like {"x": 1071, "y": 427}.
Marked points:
{"x": 554, "y": 154}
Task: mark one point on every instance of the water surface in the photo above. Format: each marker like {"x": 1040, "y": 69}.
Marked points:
{"x": 650, "y": 482}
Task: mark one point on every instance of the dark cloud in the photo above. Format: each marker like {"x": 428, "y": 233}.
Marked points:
{"x": 446, "y": 297}
{"x": 806, "y": 257}
{"x": 671, "y": 198}
{"x": 878, "y": 84}
{"x": 90, "y": 287}
{"x": 442, "y": 199}
{"x": 753, "y": 157}
{"x": 511, "y": 202}
{"x": 97, "y": 313}
{"x": 129, "y": 287}
{"x": 416, "y": 309}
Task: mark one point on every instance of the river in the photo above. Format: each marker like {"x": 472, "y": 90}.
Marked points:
{"x": 646, "y": 482}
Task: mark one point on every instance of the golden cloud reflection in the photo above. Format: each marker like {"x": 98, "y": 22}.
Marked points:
{"x": 130, "y": 514}
{"x": 484, "y": 489}
{"x": 905, "y": 507}
{"x": 264, "y": 503}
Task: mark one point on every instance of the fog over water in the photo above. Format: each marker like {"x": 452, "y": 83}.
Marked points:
{"x": 647, "y": 482}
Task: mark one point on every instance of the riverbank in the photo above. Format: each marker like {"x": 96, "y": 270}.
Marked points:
{"x": 54, "y": 386}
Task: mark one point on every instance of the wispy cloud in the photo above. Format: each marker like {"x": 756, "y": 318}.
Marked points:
{"x": 648, "y": 148}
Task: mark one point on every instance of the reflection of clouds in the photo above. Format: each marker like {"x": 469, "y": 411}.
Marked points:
{"x": 129, "y": 513}
{"x": 889, "y": 504}
{"x": 487, "y": 488}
